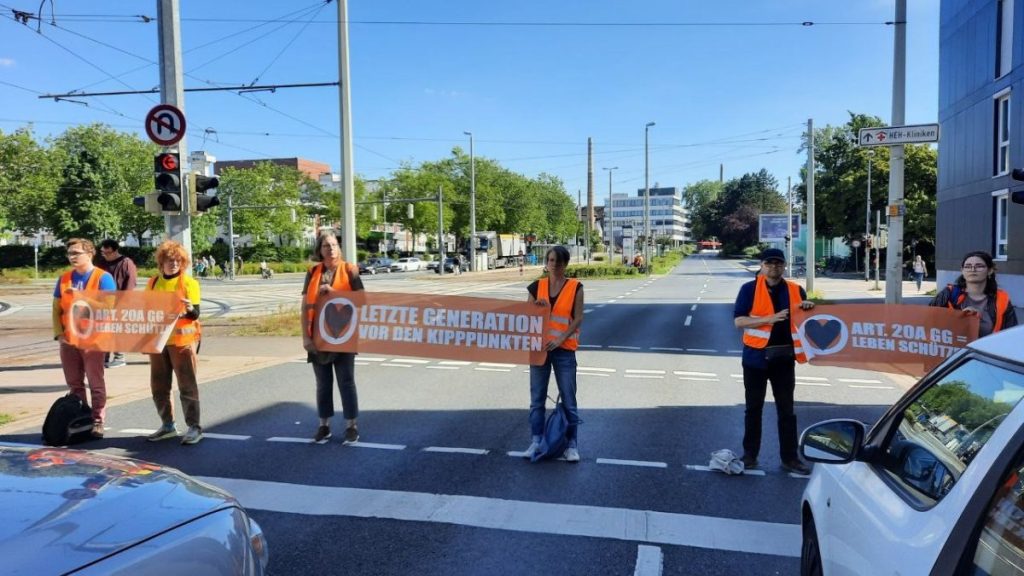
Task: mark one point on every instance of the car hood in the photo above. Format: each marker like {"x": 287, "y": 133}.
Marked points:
{"x": 63, "y": 509}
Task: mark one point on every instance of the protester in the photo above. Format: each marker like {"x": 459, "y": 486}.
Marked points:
{"x": 179, "y": 354}
{"x": 771, "y": 346}
{"x": 124, "y": 272}
{"x": 565, "y": 298}
{"x": 79, "y": 364}
{"x": 976, "y": 291}
{"x": 332, "y": 273}
{"x": 920, "y": 271}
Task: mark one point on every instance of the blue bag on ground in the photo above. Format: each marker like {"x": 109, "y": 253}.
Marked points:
{"x": 554, "y": 440}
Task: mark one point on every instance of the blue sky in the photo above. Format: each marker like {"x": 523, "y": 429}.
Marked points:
{"x": 735, "y": 85}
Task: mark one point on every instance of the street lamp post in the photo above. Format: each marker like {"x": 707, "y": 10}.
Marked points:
{"x": 867, "y": 221}
{"x": 647, "y": 199}
{"x": 472, "y": 205}
{"x": 608, "y": 216}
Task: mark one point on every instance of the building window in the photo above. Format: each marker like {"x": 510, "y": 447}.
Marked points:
{"x": 1001, "y": 199}
{"x": 1001, "y": 165}
{"x": 1004, "y": 37}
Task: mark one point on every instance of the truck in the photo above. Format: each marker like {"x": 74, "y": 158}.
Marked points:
{"x": 503, "y": 250}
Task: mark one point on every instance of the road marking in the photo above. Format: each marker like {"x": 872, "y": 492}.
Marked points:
{"x": 624, "y": 347}
{"x": 376, "y": 446}
{"x": 411, "y": 361}
{"x": 812, "y": 378}
{"x": 649, "y": 561}
{"x": 699, "y": 468}
{"x": 372, "y": 359}
{"x": 644, "y": 376}
{"x": 217, "y": 436}
{"x": 688, "y": 320}
{"x": 755, "y": 537}
{"x": 589, "y": 345}
{"x": 442, "y": 367}
{"x": 699, "y": 379}
{"x": 700, "y": 350}
{"x": 638, "y": 371}
{"x": 734, "y": 351}
{"x": 496, "y": 365}
{"x": 515, "y": 454}
{"x": 641, "y": 463}
{"x": 858, "y": 381}
{"x": 447, "y": 450}
{"x": 618, "y": 297}
{"x": 595, "y": 369}
{"x": 871, "y": 387}
{"x": 740, "y": 376}
{"x": 813, "y": 384}
{"x": 292, "y": 440}
{"x": 599, "y": 306}
{"x": 681, "y": 373}
{"x": 800, "y": 476}
{"x": 698, "y": 298}
{"x": 589, "y": 374}
{"x": 656, "y": 348}
{"x": 492, "y": 369}
{"x": 142, "y": 431}
{"x": 396, "y": 365}
{"x": 454, "y": 363}
{"x": 588, "y": 310}
{"x": 692, "y": 308}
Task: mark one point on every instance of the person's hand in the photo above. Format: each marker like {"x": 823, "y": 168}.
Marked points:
{"x": 324, "y": 289}
{"x": 971, "y": 311}
{"x": 779, "y": 316}
{"x": 188, "y": 306}
{"x": 541, "y": 302}
{"x": 307, "y": 343}
{"x": 554, "y": 344}
{"x": 806, "y": 305}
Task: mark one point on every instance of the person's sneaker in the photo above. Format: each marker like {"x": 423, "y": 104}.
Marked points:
{"x": 796, "y": 466}
{"x": 749, "y": 462}
{"x": 571, "y": 454}
{"x": 116, "y": 363}
{"x": 193, "y": 436}
{"x": 532, "y": 450}
{"x": 164, "y": 432}
{"x": 351, "y": 435}
{"x": 323, "y": 434}
{"x": 97, "y": 429}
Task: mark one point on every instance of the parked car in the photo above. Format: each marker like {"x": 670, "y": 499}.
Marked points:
{"x": 376, "y": 266}
{"x": 452, "y": 265}
{"x": 94, "y": 513}
{"x": 432, "y": 265}
{"x": 408, "y": 264}
{"x": 907, "y": 497}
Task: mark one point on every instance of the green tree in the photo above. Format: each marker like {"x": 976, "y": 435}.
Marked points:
{"x": 267, "y": 200}
{"x": 733, "y": 217}
{"x": 28, "y": 181}
{"x": 700, "y": 197}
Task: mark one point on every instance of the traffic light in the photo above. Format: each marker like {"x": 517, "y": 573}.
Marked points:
{"x": 199, "y": 199}
{"x": 149, "y": 202}
{"x": 167, "y": 179}
{"x": 1018, "y": 196}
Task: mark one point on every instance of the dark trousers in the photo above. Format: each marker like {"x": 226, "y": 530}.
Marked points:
{"x": 342, "y": 365}
{"x": 179, "y": 361}
{"x": 782, "y": 375}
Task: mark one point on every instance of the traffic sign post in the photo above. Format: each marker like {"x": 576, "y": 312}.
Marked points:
{"x": 165, "y": 124}
{"x": 894, "y": 135}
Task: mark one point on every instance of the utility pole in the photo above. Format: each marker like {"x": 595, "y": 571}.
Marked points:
{"x": 472, "y": 205}
{"x": 878, "y": 244}
{"x": 867, "y": 221}
{"x": 590, "y": 186}
{"x": 609, "y": 222}
{"x": 894, "y": 249}
{"x": 647, "y": 200}
{"x": 384, "y": 207}
{"x": 348, "y": 190}
{"x": 809, "y": 258}
{"x": 179, "y": 227}
{"x": 440, "y": 231}
{"x": 789, "y": 222}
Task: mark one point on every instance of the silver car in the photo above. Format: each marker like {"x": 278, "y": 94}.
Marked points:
{"x": 93, "y": 513}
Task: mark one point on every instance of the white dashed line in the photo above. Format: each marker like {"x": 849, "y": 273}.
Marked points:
{"x": 588, "y": 311}
{"x": 496, "y": 365}
{"x": 599, "y": 306}
{"x": 641, "y": 463}
{"x": 870, "y": 387}
{"x": 688, "y": 320}
{"x": 589, "y": 374}
{"x": 706, "y": 469}
{"x": 649, "y": 561}
{"x": 396, "y": 365}
{"x": 595, "y": 369}
{"x": 376, "y": 446}
{"x": 858, "y": 381}
{"x": 590, "y": 345}
{"x": 624, "y": 347}
{"x": 292, "y": 440}
{"x": 442, "y": 367}
{"x": 734, "y": 351}
{"x": 800, "y": 476}
{"x": 698, "y": 379}
{"x": 667, "y": 349}
{"x": 411, "y": 361}
{"x": 644, "y": 376}
{"x": 638, "y": 371}
{"x": 217, "y": 436}
{"x": 813, "y": 384}
{"x": 740, "y": 376}
{"x": 515, "y": 454}
{"x": 454, "y": 363}
{"x": 682, "y": 373}
{"x": 700, "y": 350}
{"x": 492, "y": 369}
{"x": 692, "y": 308}
{"x": 447, "y": 450}
{"x": 812, "y": 378}
{"x": 372, "y": 359}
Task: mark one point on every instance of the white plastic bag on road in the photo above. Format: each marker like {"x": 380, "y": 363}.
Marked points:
{"x": 725, "y": 460}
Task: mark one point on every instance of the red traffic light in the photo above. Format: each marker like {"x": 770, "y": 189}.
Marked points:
{"x": 169, "y": 161}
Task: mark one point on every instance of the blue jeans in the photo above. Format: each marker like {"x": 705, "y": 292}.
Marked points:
{"x": 343, "y": 366}
{"x": 564, "y": 364}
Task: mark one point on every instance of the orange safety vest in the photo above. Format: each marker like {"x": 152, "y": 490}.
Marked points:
{"x": 186, "y": 330}
{"x": 67, "y": 295}
{"x": 757, "y": 336}
{"x": 340, "y": 283}
{"x": 561, "y": 314}
{"x": 1002, "y": 303}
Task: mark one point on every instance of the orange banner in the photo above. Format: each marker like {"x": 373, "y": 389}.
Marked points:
{"x": 431, "y": 326}
{"x": 884, "y": 337}
{"x": 122, "y": 321}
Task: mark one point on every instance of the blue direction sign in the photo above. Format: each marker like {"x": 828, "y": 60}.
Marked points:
{"x": 893, "y": 135}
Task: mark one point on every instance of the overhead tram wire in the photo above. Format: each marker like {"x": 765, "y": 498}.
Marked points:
{"x": 579, "y": 24}
{"x": 289, "y": 44}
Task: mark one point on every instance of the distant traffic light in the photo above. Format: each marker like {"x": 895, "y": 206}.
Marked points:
{"x": 167, "y": 179}
{"x": 199, "y": 199}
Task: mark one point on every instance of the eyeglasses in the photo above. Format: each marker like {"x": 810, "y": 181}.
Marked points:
{"x": 974, "y": 266}
{"x": 74, "y": 254}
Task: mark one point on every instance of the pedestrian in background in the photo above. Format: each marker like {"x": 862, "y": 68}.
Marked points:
{"x": 920, "y": 271}
{"x": 564, "y": 296}
{"x": 976, "y": 291}
{"x": 178, "y": 357}
{"x": 79, "y": 364}
{"x": 771, "y": 348}
{"x": 331, "y": 273}
{"x": 124, "y": 272}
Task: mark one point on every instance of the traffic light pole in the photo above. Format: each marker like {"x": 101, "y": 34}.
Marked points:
{"x": 179, "y": 227}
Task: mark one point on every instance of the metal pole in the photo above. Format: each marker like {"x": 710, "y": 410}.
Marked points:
{"x": 231, "y": 235}
{"x": 867, "y": 222}
{"x": 878, "y": 255}
{"x": 348, "y": 190}
{"x": 384, "y": 206}
{"x": 440, "y": 231}
{"x": 647, "y": 199}
{"x": 810, "y": 206}
{"x": 789, "y": 220}
{"x": 179, "y": 228}
{"x": 894, "y": 249}
{"x": 472, "y": 205}
{"x": 608, "y": 215}
{"x": 579, "y": 220}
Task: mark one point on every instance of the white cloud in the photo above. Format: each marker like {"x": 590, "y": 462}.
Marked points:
{"x": 6, "y": 62}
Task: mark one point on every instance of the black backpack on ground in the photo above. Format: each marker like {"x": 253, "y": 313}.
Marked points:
{"x": 69, "y": 420}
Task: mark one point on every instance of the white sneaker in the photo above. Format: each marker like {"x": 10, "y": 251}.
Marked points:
{"x": 532, "y": 450}
{"x": 571, "y": 455}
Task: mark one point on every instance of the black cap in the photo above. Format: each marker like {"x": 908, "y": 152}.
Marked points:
{"x": 773, "y": 254}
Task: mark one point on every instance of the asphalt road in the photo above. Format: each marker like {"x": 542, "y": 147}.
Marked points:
{"x": 433, "y": 489}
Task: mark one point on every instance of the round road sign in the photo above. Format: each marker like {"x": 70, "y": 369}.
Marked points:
{"x": 856, "y": 243}
{"x": 165, "y": 124}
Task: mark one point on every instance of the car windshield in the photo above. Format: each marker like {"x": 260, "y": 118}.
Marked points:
{"x": 945, "y": 428}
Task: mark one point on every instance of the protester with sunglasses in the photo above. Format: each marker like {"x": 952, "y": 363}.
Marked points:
{"x": 79, "y": 364}
{"x": 976, "y": 291}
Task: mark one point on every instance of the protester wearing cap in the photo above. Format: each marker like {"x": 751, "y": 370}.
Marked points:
{"x": 771, "y": 348}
